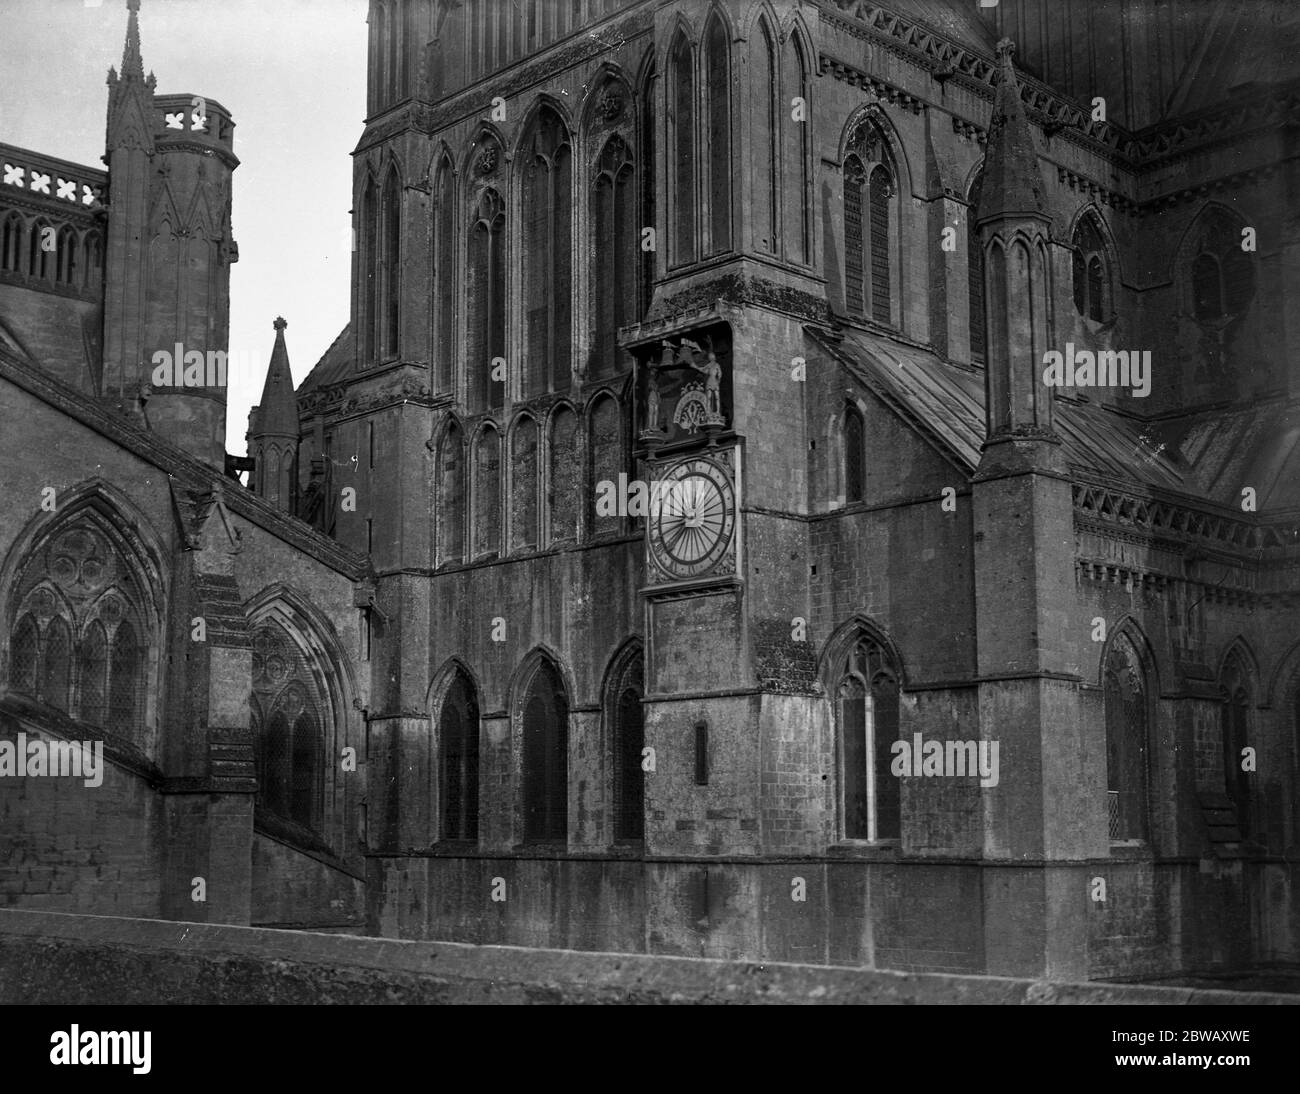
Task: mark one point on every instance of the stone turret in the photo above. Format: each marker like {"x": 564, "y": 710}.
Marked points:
{"x": 273, "y": 430}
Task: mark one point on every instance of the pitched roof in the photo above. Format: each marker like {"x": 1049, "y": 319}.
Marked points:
{"x": 945, "y": 403}
{"x": 334, "y": 364}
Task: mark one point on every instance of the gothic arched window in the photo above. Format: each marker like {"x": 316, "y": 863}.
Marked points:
{"x": 1234, "y": 737}
{"x": 975, "y": 274}
{"x": 1126, "y": 744}
{"x": 867, "y": 723}
{"x": 451, "y": 496}
{"x": 66, "y": 257}
{"x": 1091, "y": 272}
{"x": 855, "y": 456}
{"x": 444, "y": 273}
{"x": 290, "y": 737}
{"x": 614, "y": 272}
{"x": 40, "y": 247}
{"x": 547, "y": 255}
{"x": 11, "y": 243}
{"x": 77, "y": 638}
{"x": 487, "y": 494}
{"x": 458, "y": 758}
{"x": 370, "y": 271}
{"x": 682, "y": 121}
{"x": 486, "y": 301}
{"x": 647, "y": 180}
{"x": 92, "y": 263}
{"x": 870, "y": 191}
{"x": 1222, "y": 274}
{"x": 763, "y": 130}
{"x": 523, "y": 484}
{"x": 796, "y": 168}
{"x": 546, "y": 757}
{"x": 606, "y": 442}
{"x": 565, "y": 479}
{"x": 392, "y": 248}
{"x": 717, "y": 87}
{"x": 628, "y": 724}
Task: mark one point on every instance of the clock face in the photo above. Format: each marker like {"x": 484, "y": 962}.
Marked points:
{"x": 692, "y": 518}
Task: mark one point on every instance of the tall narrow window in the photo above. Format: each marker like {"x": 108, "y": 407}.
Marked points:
{"x": 647, "y": 173}
{"x": 565, "y": 480}
{"x": 486, "y": 319}
{"x": 66, "y": 259}
{"x": 606, "y": 442}
{"x": 1234, "y": 736}
{"x": 795, "y": 156}
{"x": 444, "y": 273}
{"x": 124, "y": 680}
{"x": 629, "y": 740}
{"x": 23, "y": 654}
{"x": 701, "y": 742}
{"x": 458, "y": 761}
{"x": 1222, "y": 275}
{"x": 869, "y": 194}
{"x": 546, "y": 757}
{"x": 1090, "y": 271}
{"x": 717, "y": 83}
{"x": 763, "y": 129}
{"x": 394, "y": 34}
{"x": 392, "y": 251}
{"x": 93, "y": 261}
{"x": 92, "y": 666}
{"x": 975, "y": 274}
{"x": 56, "y": 664}
{"x": 614, "y": 287}
{"x": 39, "y": 263}
{"x": 286, "y": 705}
{"x": 381, "y": 57}
{"x": 868, "y": 702}
{"x": 855, "y": 178}
{"x": 1126, "y": 745}
{"x": 369, "y": 271}
{"x": 451, "y": 496}
{"x": 487, "y": 494}
{"x": 547, "y": 202}
{"x": 682, "y": 120}
{"x": 854, "y": 457}
{"x": 881, "y": 190}
{"x": 523, "y": 484}
{"x": 11, "y": 243}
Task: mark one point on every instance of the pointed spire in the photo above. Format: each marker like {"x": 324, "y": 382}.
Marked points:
{"x": 132, "y": 62}
{"x": 1012, "y": 183}
{"x": 277, "y": 413}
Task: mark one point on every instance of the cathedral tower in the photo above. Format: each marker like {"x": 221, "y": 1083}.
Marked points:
{"x": 166, "y": 313}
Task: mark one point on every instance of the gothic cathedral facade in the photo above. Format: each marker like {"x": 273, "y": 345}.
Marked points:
{"x": 684, "y": 548}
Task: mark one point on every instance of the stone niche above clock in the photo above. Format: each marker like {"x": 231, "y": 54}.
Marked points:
{"x": 683, "y": 384}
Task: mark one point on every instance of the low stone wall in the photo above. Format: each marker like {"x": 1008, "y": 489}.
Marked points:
{"x": 48, "y": 957}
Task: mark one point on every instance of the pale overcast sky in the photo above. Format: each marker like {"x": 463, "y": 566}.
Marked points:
{"x": 292, "y": 74}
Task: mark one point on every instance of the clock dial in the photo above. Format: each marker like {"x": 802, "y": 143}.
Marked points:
{"x": 692, "y": 518}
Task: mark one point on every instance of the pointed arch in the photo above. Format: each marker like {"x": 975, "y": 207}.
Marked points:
{"x": 1091, "y": 267}
{"x": 451, "y": 497}
{"x": 1238, "y": 688}
{"x": 564, "y": 481}
{"x": 977, "y": 330}
{"x": 67, "y": 270}
{"x": 716, "y": 83}
{"x": 369, "y": 304}
{"x": 11, "y": 243}
{"x": 681, "y": 139}
{"x": 796, "y": 146}
{"x": 763, "y": 132}
{"x": 524, "y": 454}
{"x": 302, "y": 701}
{"x": 486, "y": 496}
{"x": 485, "y": 308}
{"x": 96, "y": 562}
{"x": 40, "y": 264}
{"x": 457, "y": 733}
{"x": 543, "y": 709}
{"x": 855, "y": 455}
{"x": 607, "y": 455}
{"x": 614, "y": 272}
{"x": 623, "y": 691}
{"x": 391, "y": 259}
{"x": 864, "y": 678}
{"x": 1128, "y": 686}
{"x": 444, "y": 271}
{"x": 647, "y": 164}
{"x": 872, "y": 183}
{"x": 1217, "y": 279}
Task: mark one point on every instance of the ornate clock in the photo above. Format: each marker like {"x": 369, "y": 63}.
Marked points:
{"x": 692, "y": 519}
